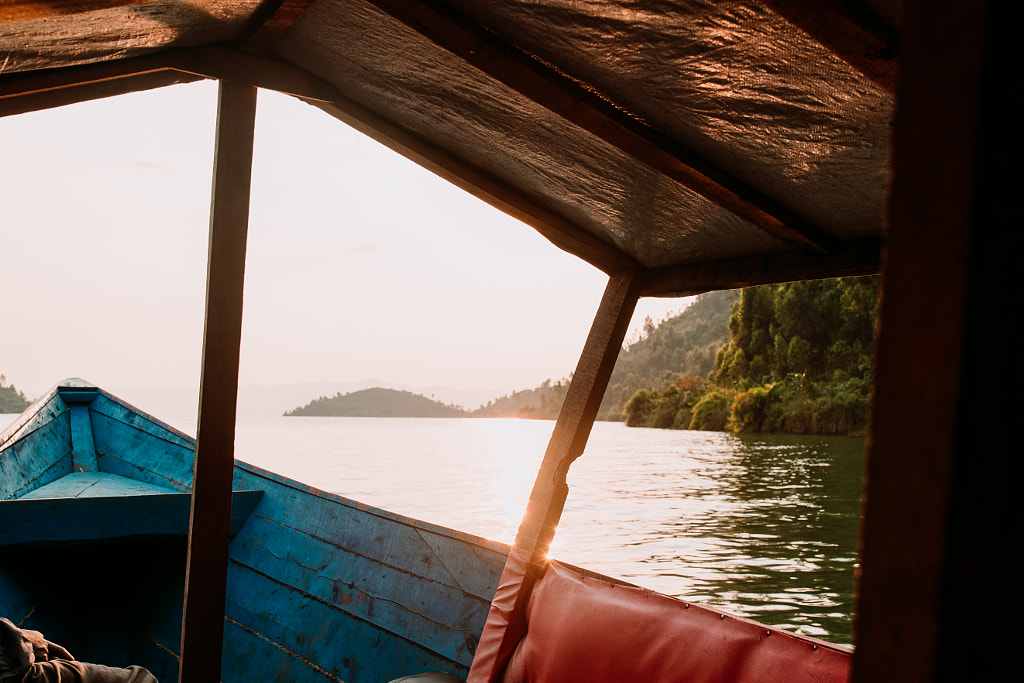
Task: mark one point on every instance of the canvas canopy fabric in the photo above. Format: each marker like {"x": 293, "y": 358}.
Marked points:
{"x": 713, "y": 144}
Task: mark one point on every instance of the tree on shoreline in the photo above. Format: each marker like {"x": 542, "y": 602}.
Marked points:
{"x": 798, "y": 360}
{"x": 11, "y": 400}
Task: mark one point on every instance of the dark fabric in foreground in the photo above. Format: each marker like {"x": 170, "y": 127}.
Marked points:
{"x": 27, "y": 657}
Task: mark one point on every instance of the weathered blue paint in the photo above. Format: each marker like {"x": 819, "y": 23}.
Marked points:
{"x": 83, "y": 446}
{"x": 36, "y": 448}
{"x": 94, "y": 484}
{"x": 44, "y": 519}
{"x": 132, "y": 444}
{"x": 320, "y": 588}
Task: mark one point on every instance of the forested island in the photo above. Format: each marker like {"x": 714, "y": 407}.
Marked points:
{"x": 377, "y": 402}
{"x": 11, "y": 400}
{"x": 795, "y": 357}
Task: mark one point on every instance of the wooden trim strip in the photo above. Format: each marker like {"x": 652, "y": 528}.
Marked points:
{"x": 206, "y": 568}
{"x": 551, "y": 89}
{"x": 26, "y": 92}
{"x": 862, "y": 257}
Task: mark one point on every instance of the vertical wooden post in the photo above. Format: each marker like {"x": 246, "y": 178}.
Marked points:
{"x": 504, "y": 626}
{"x": 206, "y": 573}
{"x": 576, "y": 418}
{"x": 943, "y": 472}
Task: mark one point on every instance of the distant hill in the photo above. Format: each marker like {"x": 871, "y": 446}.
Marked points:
{"x": 685, "y": 344}
{"x": 542, "y": 403}
{"x": 377, "y": 402}
{"x": 11, "y": 400}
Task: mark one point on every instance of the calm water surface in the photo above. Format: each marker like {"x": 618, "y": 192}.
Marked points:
{"x": 762, "y": 526}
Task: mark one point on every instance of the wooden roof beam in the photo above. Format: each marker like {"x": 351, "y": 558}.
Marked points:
{"x": 847, "y": 31}
{"x": 269, "y": 22}
{"x": 862, "y": 257}
{"x": 38, "y": 90}
{"x": 555, "y": 91}
{"x": 273, "y": 75}
{"x": 12, "y": 11}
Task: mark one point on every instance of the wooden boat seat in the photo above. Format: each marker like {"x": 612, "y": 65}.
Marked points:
{"x": 88, "y": 506}
{"x": 582, "y": 628}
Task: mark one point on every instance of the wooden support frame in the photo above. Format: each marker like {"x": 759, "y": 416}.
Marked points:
{"x": 22, "y": 93}
{"x": 24, "y": 10}
{"x": 860, "y": 257}
{"x": 944, "y": 467}
{"x": 206, "y": 567}
{"x": 504, "y": 626}
{"x": 576, "y": 418}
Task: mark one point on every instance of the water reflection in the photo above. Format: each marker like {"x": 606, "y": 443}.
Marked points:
{"x": 763, "y": 526}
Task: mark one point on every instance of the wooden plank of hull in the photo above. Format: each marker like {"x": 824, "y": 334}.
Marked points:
{"x": 206, "y": 566}
{"x": 23, "y": 467}
{"x": 168, "y": 456}
{"x": 361, "y": 594}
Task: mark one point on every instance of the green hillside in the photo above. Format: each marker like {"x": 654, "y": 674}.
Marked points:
{"x": 798, "y": 360}
{"x": 377, "y": 402}
{"x": 684, "y": 345}
{"x": 11, "y": 400}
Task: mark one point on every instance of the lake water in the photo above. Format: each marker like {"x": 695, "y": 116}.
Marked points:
{"x": 762, "y": 526}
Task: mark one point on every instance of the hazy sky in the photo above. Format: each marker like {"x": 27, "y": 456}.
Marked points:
{"x": 362, "y": 268}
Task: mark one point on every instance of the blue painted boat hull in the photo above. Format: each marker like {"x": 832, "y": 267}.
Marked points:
{"x": 320, "y": 588}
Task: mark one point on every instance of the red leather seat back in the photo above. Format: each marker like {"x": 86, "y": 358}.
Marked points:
{"x": 582, "y": 628}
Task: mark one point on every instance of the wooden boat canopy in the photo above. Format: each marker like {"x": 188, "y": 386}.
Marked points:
{"x": 680, "y": 147}
{"x": 741, "y": 144}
